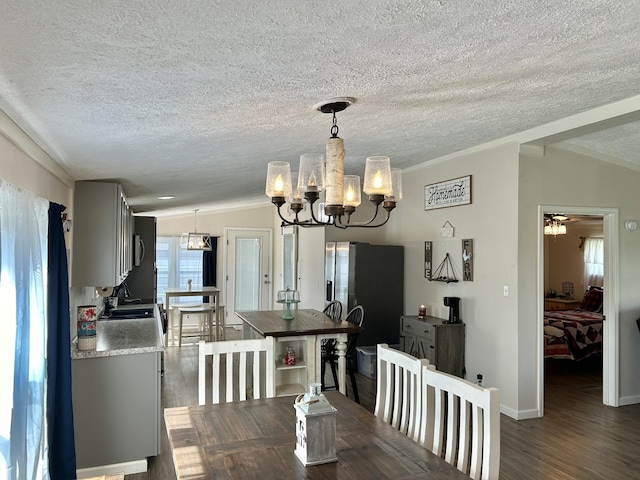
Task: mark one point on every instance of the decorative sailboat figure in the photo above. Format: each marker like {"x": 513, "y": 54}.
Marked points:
{"x": 445, "y": 271}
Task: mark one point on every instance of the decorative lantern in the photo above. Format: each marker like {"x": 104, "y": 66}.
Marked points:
{"x": 315, "y": 428}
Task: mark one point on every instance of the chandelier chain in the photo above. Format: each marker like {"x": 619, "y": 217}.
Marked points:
{"x": 334, "y": 127}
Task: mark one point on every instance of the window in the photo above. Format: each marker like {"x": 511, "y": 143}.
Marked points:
{"x": 593, "y": 262}
{"x": 23, "y": 279}
{"x": 175, "y": 266}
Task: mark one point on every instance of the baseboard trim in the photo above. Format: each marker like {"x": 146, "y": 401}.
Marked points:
{"x": 128, "y": 468}
{"x": 519, "y": 414}
{"x": 632, "y": 400}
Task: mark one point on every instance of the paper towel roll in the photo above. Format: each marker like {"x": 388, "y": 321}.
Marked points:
{"x": 104, "y": 291}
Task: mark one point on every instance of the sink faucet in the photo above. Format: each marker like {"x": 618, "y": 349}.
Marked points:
{"x": 122, "y": 290}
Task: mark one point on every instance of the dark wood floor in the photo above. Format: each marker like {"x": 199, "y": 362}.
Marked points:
{"x": 578, "y": 438}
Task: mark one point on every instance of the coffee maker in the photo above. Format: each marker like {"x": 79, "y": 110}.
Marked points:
{"x": 454, "y": 309}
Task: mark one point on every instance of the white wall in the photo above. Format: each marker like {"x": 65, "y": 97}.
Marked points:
{"x": 491, "y": 221}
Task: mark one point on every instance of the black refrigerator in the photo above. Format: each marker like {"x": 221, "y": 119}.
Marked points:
{"x": 371, "y": 276}
{"x": 142, "y": 278}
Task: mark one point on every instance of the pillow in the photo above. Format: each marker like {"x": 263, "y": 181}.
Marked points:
{"x": 592, "y": 300}
{"x": 553, "y": 331}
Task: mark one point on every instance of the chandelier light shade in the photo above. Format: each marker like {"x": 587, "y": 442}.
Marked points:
{"x": 555, "y": 228}
{"x": 396, "y": 185}
{"x": 311, "y": 174}
{"x": 342, "y": 195}
{"x": 351, "y": 196}
{"x": 377, "y": 176}
{"x": 194, "y": 240}
{"x": 278, "y": 180}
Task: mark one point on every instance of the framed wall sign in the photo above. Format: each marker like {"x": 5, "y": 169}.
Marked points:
{"x": 449, "y": 193}
{"x": 467, "y": 259}
{"x": 428, "y": 256}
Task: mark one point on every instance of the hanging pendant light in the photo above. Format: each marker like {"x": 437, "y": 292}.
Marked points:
{"x": 342, "y": 192}
{"x": 194, "y": 240}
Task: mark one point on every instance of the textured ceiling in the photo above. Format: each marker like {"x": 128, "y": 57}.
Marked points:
{"x": 195, "y": 98}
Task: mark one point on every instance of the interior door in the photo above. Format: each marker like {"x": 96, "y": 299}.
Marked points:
{"x": 248, "y": 276}
{"x": 610, "y": 332}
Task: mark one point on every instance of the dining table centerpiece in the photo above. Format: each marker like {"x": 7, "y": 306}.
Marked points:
{"x": 288, "y": 297}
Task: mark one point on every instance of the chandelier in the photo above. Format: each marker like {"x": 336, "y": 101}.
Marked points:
{"x": 382, "y": 183}
{"x": 194, "y": 240}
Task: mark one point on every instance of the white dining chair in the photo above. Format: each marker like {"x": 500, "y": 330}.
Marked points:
{"x": 249, "y": 369}
{"x": 398, "y": 390}
{"x": 461, "y": 423}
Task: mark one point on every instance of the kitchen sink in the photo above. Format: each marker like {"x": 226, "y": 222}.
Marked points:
{"x": 129, "y": 313}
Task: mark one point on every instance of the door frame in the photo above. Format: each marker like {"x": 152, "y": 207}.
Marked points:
{"x": 610, "y": 327}
{"x": 269, "y": 253}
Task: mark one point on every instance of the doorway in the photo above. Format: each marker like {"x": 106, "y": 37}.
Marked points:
{"x": 248, "y": 271}
{"x": 610, "y": 364}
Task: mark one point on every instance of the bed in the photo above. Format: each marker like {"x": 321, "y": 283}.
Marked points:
{"x": 575, "y": 334}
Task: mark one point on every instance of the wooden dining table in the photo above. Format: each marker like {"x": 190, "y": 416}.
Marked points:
{"x": 312, "y": 325}
{"x": 255, "y": 439}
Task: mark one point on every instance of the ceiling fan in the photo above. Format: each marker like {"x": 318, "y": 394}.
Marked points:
{"x": 553, "y": 224}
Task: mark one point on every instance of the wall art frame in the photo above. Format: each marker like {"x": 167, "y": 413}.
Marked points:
{"x": 450, "y": 193}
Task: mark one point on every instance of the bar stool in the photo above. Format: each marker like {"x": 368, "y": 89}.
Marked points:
{"x": 205, "y": 309}
{"x": 220, "y": 323}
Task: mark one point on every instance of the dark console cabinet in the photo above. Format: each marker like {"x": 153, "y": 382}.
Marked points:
{"x": 441, "y": 343}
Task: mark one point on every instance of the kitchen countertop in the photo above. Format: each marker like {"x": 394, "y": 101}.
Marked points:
{"x": 124, "y": 337}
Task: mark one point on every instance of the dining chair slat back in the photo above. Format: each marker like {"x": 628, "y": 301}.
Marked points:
{"x": 461, "y": 423}
{"x": 249, "y": 370}
{"x": 334, "y": 310}
{"x": 398, "y": 390}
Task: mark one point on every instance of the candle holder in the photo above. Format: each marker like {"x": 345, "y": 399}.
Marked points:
{"x": 288, "y": 297}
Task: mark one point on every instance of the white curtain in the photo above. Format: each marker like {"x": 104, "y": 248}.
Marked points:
{"x": 23, "y": 257}
{"x": 593, "y": 262}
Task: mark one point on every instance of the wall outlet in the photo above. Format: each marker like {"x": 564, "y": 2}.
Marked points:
{"x": 506, "y": 291}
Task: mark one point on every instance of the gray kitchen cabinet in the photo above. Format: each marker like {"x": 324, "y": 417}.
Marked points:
{"x": 443, "y": 344}
{"x": 116, "y": 408}
{"x": 102, "y": 235}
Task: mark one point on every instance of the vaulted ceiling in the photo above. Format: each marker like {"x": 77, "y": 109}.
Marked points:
{"x": 193, "y": 99}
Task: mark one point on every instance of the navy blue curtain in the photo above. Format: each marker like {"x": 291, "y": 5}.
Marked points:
{"x": 62, "y": 448}
{"x": 210, "y": 266}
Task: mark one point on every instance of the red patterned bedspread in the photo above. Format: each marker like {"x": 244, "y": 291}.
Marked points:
{"x": 581, "y": 333}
